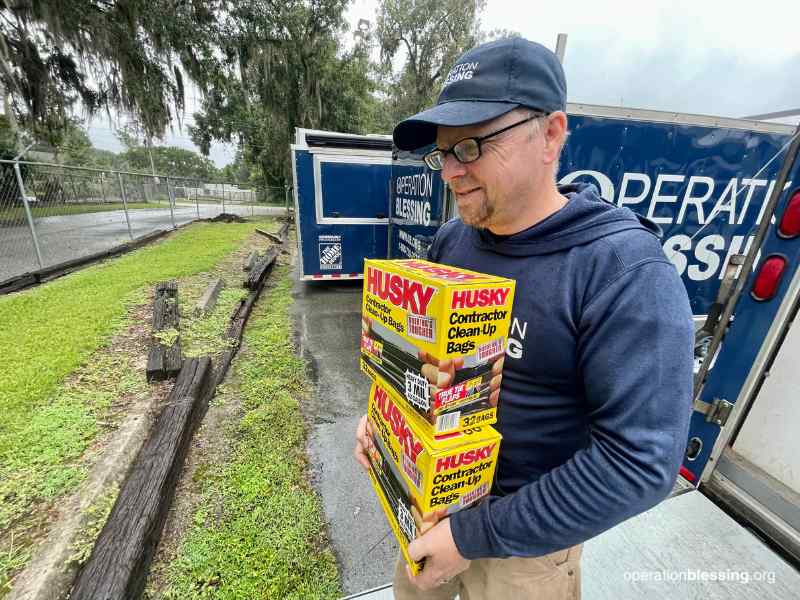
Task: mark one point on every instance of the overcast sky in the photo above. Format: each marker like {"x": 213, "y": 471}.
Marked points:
{"x": 706, "y": 56}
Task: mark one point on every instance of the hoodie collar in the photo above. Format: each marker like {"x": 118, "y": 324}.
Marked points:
{"x": 584, "y": 218}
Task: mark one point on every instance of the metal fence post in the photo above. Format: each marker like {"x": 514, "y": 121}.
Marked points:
{"x": 28, "y": 215}
{"x": 196, "y": 199}
{"x": 171, "y": 198}
{"x": 125, "y": 205}
{"x": 103, "y": 187}
{"x": 74, "y": 189}
{"x": 223, "y": 197}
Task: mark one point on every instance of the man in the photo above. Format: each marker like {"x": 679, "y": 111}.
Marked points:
{"x": 597, "y": 381}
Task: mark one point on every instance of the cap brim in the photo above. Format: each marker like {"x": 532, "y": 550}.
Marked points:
{"x": 420, "y": 130}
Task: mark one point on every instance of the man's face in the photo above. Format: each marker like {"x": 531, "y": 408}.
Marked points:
{"x": 490, "y": 191}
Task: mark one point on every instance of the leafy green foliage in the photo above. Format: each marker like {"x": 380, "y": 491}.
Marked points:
{"x": 257, "y": 533}
{"x": 168, "y": 160}
{"x": 131, "y": 56}
{"x": 97, "y": 515}
{"x": 12, "y": 559}
{"x": 282, "y": 66}
{"x": 8, "y": 139}
{"x": 431, "y": 34}
{"x": 205, "y": 336}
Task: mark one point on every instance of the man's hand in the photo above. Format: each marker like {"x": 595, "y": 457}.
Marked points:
{"x": 442, "y": 559}
{"x": 441, "y": 374}
{"x": 363, "y": 442}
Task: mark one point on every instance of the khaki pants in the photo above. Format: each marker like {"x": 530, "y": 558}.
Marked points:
{"x": 555, "y": 576}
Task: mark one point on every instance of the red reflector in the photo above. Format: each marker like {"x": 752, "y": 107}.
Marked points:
{"x": 687, "y": 474}
{"x": 769, "y": 277}
{"x": 789, "y": 226}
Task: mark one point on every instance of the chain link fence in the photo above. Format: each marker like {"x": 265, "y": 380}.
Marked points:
{"x": 53, "y": 213}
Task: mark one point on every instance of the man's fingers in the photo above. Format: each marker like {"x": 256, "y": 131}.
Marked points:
{"x": 362, "y": 459}
{"x": 494, "y": 383}
{"x": 494, "y": 397}
{"x": 362, "y": 442}
{"x": 427, "y": 358}
{"x": 447, "y": 372}
{"x": 497, "y": 367}
{"x": 444, "y": 378}
{"x": 361, "y": 429}
{"x": 416, "y": 549}
{"x": 431, "y": 373}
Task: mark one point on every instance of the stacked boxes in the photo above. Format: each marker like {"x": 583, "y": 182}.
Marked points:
{"x": 432, "y": 342}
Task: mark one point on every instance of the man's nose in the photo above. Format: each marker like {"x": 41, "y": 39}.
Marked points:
{"x": 452, "y": 168}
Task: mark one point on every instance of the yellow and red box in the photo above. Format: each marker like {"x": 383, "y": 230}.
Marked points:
{"x": 418, "y": 315}
{"x": 420, "y": 479}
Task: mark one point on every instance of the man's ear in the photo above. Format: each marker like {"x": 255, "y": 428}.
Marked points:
{"x": 555, "y": 133}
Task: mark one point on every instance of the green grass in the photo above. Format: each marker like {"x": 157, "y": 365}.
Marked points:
{"x": 17, "y": 213}
{"x": 48, "y": 332}
{"x": 205, "y": 336}
{"x": 257, "y": 533}
{"x": 97, "y": 515}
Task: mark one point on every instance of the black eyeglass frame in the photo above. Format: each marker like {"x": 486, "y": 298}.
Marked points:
{"x": 478, "y": 140}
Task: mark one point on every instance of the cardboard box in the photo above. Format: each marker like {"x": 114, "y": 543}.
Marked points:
{"x": 418, "y": 315}
{"x": 420, "y": 479}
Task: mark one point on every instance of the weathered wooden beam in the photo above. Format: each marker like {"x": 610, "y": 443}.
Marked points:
{"x": 118, "y": 566}
{"x": 283, "y": 231}
{"x": 256, "y": 277}
{"x": 251, "y": 261}
{"x": 240, "y": 315}
{"x": 271, "y": 236}
{"x": 209, "y": 298}
{"x": 164, "y": 361}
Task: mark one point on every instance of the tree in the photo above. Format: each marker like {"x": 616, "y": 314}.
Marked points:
{"x": 58, "y": 56}
{"x": 168, "y": 160}
{"x": 8, "y": 141}
{"x": 281, "y": 67}
{"x": 431, "y": 34}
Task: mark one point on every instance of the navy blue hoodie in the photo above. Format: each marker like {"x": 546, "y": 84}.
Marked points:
{"x": 597, "y": 382}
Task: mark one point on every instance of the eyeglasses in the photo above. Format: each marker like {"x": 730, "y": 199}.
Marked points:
{"x": 469, "y": 149}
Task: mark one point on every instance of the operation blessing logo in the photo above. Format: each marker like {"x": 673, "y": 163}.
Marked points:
{"x": 461, "y": 72}
{"x": 412, "y": 202}
{"x": 674, "y": 198}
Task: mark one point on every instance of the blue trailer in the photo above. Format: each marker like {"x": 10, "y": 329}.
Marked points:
{"x": 341, "y": 196}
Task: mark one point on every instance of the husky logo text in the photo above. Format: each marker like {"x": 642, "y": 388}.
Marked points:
{"x": 402, "y": 292}
{"x": 392, "y": 415}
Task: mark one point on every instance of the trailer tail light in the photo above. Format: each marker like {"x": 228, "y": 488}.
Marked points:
{"x": 789, "y": 226}
{"x": 769, "y": 277}
{"x": 687, "y": 474}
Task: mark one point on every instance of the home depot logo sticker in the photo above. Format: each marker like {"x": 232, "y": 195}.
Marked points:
{"x": 330, "y": 252}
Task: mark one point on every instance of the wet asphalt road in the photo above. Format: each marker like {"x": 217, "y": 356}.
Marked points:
{"x": 68, "y": 237}
{"x": 327, "y": 318}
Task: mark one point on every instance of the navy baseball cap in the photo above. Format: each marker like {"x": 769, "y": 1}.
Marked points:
{"x": 486, "y": 82}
